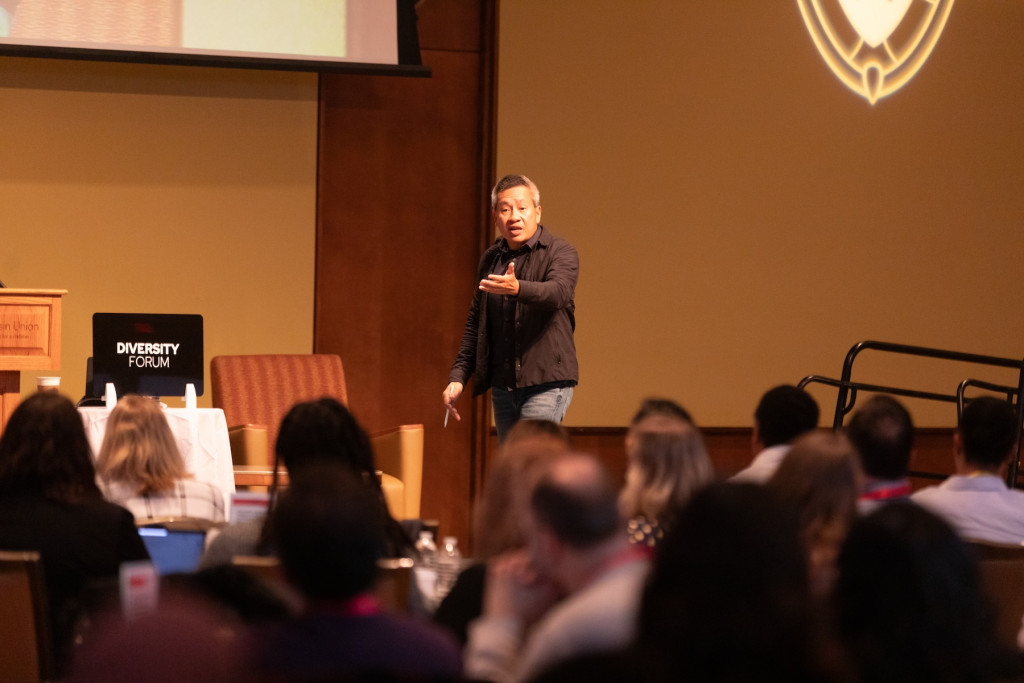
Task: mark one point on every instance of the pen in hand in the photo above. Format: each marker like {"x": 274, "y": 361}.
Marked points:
{"x": 447, "y": 408}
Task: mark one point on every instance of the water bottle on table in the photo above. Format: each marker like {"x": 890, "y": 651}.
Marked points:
{"x": 449, "y": 564}
{"x": 425, "y": 568}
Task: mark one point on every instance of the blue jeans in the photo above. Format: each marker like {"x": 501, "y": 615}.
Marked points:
{"x": 528, "y": 403}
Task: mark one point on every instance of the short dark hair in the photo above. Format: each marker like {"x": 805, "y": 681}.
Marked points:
{"x": 324, "y": 432}
{"x": 906, "y": 582}
{"x": 733, "y": 553}
{"x": 662, "y": 407}
{"x": 582, "y": 510}
{"x": 323, "y": 429}
{"x": 784, "y": 413}
{"x": 44, "y": 449}
{"x": 883, "y": 434}
{"x": 327, "y": 529}
{"x": 988, "y": 431}
{"x": 515, "y": 180}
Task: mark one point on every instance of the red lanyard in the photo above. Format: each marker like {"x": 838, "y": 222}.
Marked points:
{"x": 887, "y": 492}
{"x": 362, "y": 605}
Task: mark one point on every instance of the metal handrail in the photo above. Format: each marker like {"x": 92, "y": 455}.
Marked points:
{"x": 847, "y": 389}
{"x": 999, "y": 388}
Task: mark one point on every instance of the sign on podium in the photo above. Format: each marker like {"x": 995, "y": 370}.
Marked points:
{"x": 29, "y": 339}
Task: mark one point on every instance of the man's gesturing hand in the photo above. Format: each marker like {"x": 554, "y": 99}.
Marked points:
{"x": 502, "y": 284}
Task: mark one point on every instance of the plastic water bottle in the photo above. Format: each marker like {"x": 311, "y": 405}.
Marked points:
{"x": 449, "y": 563}
{"x": 426, "y": 550}
{"x": 425, "y": 568}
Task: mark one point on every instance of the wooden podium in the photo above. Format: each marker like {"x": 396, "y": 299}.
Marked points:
{"x": 29, "y": 339}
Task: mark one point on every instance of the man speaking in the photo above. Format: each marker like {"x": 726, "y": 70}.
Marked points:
{"x": 518, "y": 339}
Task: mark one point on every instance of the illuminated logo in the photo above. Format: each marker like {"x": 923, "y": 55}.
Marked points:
{"x": 875, "y": 46}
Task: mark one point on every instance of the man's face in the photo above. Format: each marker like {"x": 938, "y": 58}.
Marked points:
{"x": 516, "y": 216}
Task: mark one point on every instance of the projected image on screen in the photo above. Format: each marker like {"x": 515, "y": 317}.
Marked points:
{"x": 361, "y": 31}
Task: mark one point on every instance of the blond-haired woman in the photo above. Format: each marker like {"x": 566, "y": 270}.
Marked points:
{"x": 820, "y": 480}
{"x": 666, "y": 464}
{"x": 141, "y": 468}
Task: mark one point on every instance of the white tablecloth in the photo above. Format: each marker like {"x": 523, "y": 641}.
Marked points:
{"x": 202, "y": 436}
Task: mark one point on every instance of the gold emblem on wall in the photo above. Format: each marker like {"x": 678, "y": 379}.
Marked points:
{"x": 874, "y": 47}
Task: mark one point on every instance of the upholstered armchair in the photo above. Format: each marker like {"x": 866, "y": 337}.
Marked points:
{"x": 256, "y": 391}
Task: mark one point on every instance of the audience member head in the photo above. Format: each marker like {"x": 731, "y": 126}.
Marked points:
{"x": 323, "y": 430}
{"x": 663, "y": 470}
{"x": 499, "y": 520}
{"x": 327, "y": 530}
{"x": 536, "y": 431}
{"x": 727, "y": 598}
{"x": 660, "y": 408}
{"x": 908, "y": 600}
{"x": 44, "y": 450}
{"x": 658, "y": 415}
{"x": 882, "y": 433}
{"x": 574, "y": 521}
{"x": 820, "y": 480}
{"x": 138, "y": 447}
{"x": 988, "y": 433}
{"x": 575, "y": 501}
{"x": 784, "y": 413}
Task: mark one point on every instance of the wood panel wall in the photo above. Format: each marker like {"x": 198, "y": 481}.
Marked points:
{"x": 730, "y": 450}
{"x": 404, "y": 170}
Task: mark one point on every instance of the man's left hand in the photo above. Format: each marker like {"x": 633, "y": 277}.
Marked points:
{"x": 502, "y": 284}
{"x": 515, "y": 590}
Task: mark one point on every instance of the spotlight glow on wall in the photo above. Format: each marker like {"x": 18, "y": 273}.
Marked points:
{"x": 874, "y": 47}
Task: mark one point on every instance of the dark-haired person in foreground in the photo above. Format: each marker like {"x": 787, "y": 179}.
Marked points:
{"x": 728, "y": 598}
{"x": 909, "y": 603}
{"x": 50, "y": 503}
{"x": 576, "y": 548}
{"x": 518, "y": 340}
{"x": 882, "y": 433}
{"x": 328, "y": 533}
{"x": 783, "y": 413}
{"x": 976, "y": 500}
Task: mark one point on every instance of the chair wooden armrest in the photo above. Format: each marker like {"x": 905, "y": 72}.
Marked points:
{"x": 394, "y": 495}
{"x": 249, "y": 445}
{"x": 399, "y": 452}
{"x": 990, "y": 550}
{"x": 268, "y": 571}
{"x": 391, "y": 587}
{"x": 25, "y": 646}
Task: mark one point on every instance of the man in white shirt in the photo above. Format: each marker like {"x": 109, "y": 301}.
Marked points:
{"x": 976, "y": 500}
{"x": 577, "y": 548}
{"x": 783, "y": 413}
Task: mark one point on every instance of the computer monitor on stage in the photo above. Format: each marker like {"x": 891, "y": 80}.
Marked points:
{"x": 153, "y": 354}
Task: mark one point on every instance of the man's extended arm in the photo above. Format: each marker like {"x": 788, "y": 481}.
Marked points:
{"x": 556, "y": 287}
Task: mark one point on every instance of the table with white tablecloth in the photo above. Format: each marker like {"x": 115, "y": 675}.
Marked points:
{"x": 202, "y": 437}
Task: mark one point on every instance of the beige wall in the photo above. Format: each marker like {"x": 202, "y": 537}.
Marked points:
{"x": 163, "y": 190}
{"x": 743, "y": 218}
